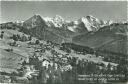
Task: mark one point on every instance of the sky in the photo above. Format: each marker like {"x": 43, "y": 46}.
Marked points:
{"x": 69, "y": 10}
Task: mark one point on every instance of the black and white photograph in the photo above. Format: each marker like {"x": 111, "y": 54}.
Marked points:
{"x": 63, "y": 42}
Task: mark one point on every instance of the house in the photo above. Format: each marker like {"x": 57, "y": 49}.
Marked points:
{"x": 45, "y": 63}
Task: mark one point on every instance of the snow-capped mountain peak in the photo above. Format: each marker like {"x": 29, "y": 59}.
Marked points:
{"x": 47, "y": 19}
{"x": 56, "y": 21}
{"x": 87, "y": 24}
{"x": 93, "y": 24}
{"x": 58, "y": 18}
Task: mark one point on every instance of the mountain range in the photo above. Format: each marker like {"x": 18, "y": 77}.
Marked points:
{"x": 86, "y": 31}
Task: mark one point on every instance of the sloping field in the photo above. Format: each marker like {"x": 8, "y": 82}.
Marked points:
{"x": 9, "y": 61}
